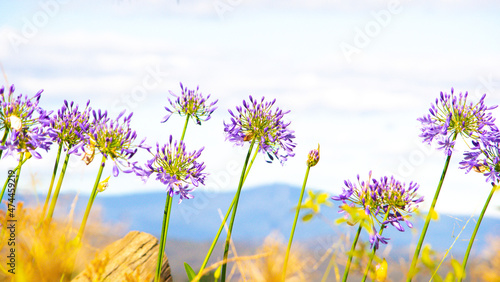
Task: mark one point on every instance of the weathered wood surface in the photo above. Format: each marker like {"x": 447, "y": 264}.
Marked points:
{"x": 134, "y": 255}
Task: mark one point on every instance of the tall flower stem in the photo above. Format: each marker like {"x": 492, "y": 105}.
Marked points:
{"x": 21, "y": 159}
{"x": 58, "y": 187}
{"x": 91, "y": 200}
{"x": 4, "y": 138}
{"x": 466, "y": 257}
{"x": 18, "y": 168}
{"x": 414, "y": 261}
{"x": 374, "y": 249}
{"x": 214, "y": 242}
{"x": 240, "y": 185}
{"x": 351, "y": 254}
{"x": 166, "y": 217}
{"x": 56, "y": 164}
{"x": 283, "y": 276}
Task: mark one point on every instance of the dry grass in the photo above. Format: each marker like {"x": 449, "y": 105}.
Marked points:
{"x": 45, "y": 251}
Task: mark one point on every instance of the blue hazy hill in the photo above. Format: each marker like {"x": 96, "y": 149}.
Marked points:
{"x": 266, "y": 209}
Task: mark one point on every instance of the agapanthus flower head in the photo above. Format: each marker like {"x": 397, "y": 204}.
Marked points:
{"x": 23, "y": 123}
{"x": 114, "y": 139}
{"x": 313, "y": 157}
{"x": 192, "y": 103}
{"x": 18, "y": 112}
{"x": 484, "y": 158}
{"x": 27, "y": 140}
{"x": 71, "y": 126}
{"x": 385, "y": 201}
{"x": 257, "y": 120}
{"x": 176, "y": 168}
{"x": 452, "y": 115}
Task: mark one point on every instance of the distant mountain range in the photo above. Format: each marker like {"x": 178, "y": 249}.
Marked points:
{"x": 261, "y": 211}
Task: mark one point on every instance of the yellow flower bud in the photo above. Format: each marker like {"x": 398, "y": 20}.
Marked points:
{"x": 103, "y": 185}
{"x": 381, "y": 271}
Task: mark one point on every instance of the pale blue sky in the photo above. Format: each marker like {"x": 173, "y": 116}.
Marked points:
{"x": 361, "y": 109}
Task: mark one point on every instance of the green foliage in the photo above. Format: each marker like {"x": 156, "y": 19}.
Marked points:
{"x": 189, "y": 271}
{"x": 313, "y": 204}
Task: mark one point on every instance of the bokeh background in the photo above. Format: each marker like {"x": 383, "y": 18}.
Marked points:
{"x": 355, "y": 76}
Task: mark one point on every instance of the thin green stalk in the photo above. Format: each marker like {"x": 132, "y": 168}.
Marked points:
{"x": 372, "y": 255}
{"x": 351, "y": 254}
{"x": 214, "y": 242}
{"x": 4, "y": 138}
{"x": 185, "y": 127}
{"x": 58, "y": 187}
{"x": 166, "y": 217}
{"x": 18, "y": 167}
{"x": 91, "y": 200}
{"x": 166, "y": 213}
{"x": 18, "y": 173}
{"x": 466, "y": 257}
{"x": 52, "y": 180}
{"x": 283, "y": 276}
{"x": 228, "y": 238}
{"x": 414, "y": 261}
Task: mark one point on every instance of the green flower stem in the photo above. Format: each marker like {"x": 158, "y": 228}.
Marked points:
{"x": 214, "y": 242}
{"x": 91, "y": 200}
{"x": 166, "y": 217}
{"x": 185, "y": 127}
{"x": 18, "y": 167}
{"x": 163, "y": 239}
{"x": 207, "y": 257}
{"x": 4, "y": 138}
{"x": 52, "y": 180}
{"x": 240, "y": 185}
{"x": 58, "y": 188}
{"x": 283, "y": 276}
{"x": 411, "y": 272}
{"x": 372, "y": 255}
{"x": 466, "y": 257}
{"x": 351, "y": 254}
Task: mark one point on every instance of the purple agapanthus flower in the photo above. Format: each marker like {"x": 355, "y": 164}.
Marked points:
{"x": 176, "y": 168}
{"x": 114, "y": 139}
{"x": 258, "y": 121}
{"x": 71, "y": 126}
{"x": 19, "y": 112}
{"x": 384, "y": 201}
{"x": 375, "y": 239}
{"x": 23, "y": 123}
{"x": 484, "y": 158}
{"x": 191, "y": 103}
{"x": 451, "y": 116}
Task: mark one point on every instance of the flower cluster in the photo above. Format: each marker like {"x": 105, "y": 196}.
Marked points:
{"x": 191, "y": 103}
{"x": 23, "y": 131}
{"x": 384, "y": 201}
{"x": 114, "y": 139}
{"x": 257, "y": 121}
{"x": 484, "y": 158}
{"x": 176, "y": 168}
{"x": 71, "y": 126}
{"x": 451, "y": 116}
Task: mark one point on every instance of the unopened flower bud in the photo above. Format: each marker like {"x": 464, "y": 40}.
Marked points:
{"x": 103, "y": 185}
{"x": 313, "y": 157}
{"x": 381, "y": 271}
